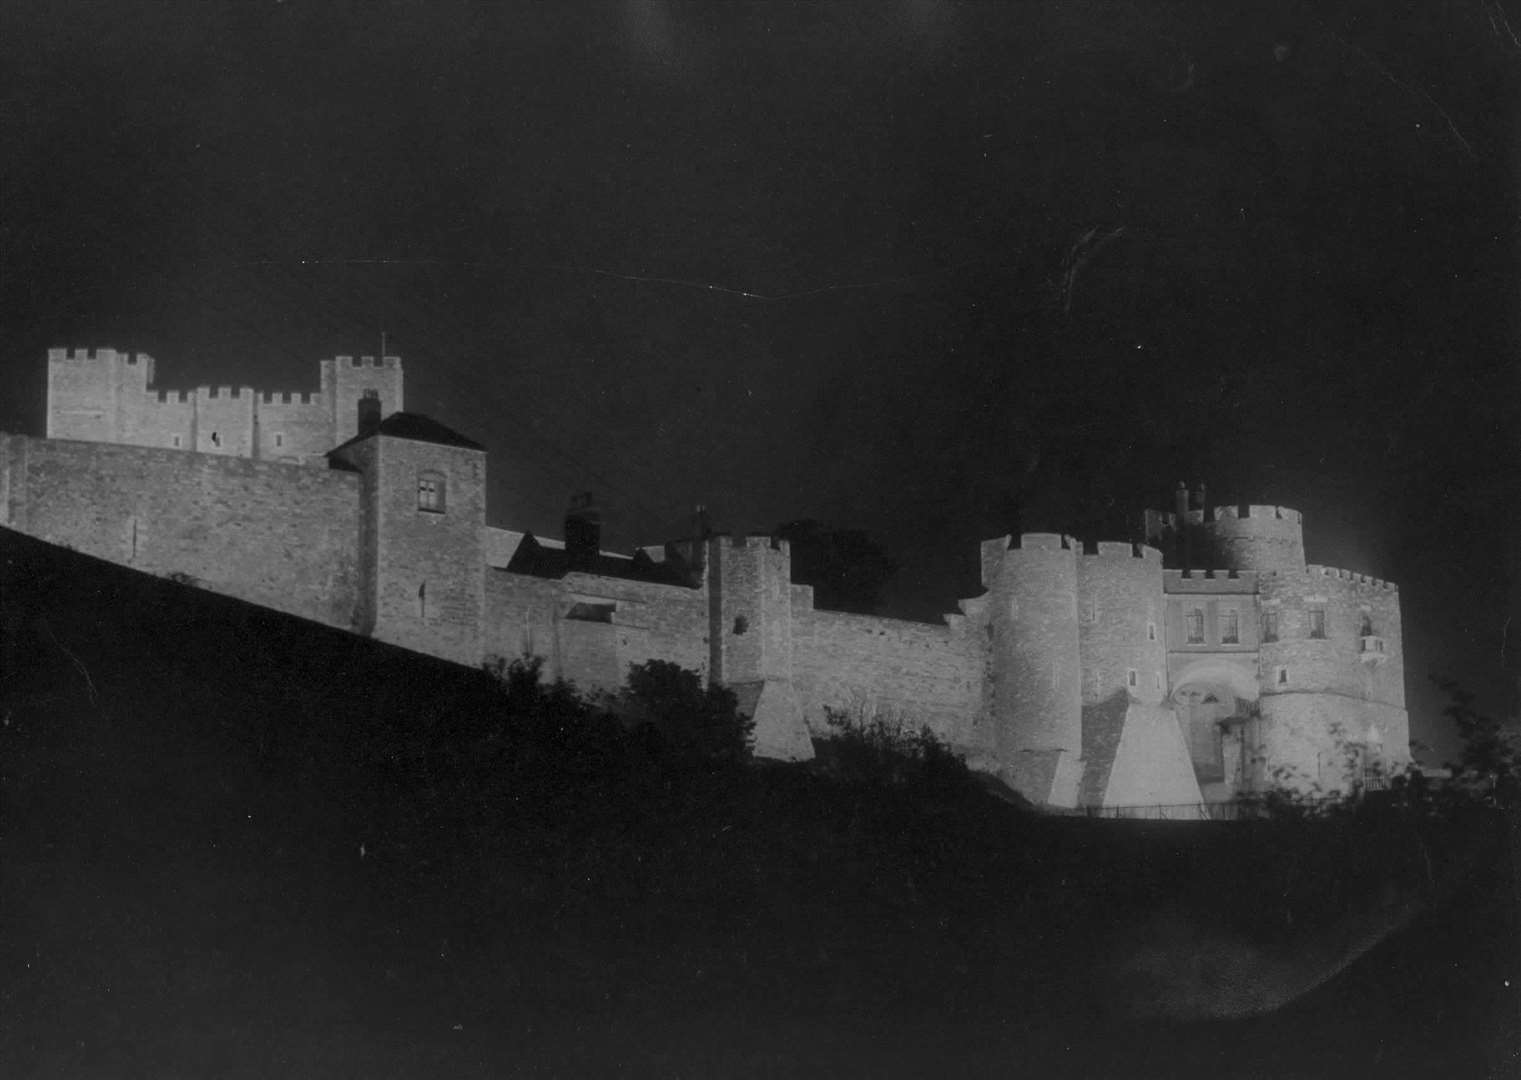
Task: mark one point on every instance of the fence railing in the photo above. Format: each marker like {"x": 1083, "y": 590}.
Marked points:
{"x": 1235, "y": 810}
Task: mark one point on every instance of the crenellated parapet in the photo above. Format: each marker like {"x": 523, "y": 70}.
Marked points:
{"x": 104, "y": 395}
{"x": 1247, "y": 512}
{"x": 273, "y": 397}
{"x": 1212, "y": 581}
{"x": 1367, "y": 580}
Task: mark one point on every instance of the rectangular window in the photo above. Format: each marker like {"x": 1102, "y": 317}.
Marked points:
{"x": 587, "y": 611}
{"x": 1090, "y": 611}
{"x": 1230, "y": 627}
{"x": 1132, "y": 680}
{"x": 1283, "y": 676}
{"x": 1270, "y": 626}
{"x": 1195, "y": 620}
{"x": 430, "y": 492}
{"x": 1317, "y": 622}
{"x": 279, "y": 439}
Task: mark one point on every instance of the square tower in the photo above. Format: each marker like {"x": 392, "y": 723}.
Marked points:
{"x": 422, "y": 518}
{"x": 348, "y": 379}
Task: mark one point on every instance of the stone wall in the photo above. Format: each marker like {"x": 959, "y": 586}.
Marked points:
{"x": 527, "y": 615}
{"x": 275, "y": 535}
{"x": 224, "y": 420}
{"x": 919, "y": 673}
{"x": 296, "y": 428}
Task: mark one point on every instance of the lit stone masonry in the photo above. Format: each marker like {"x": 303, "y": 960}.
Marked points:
{"x": 1084, "y": 675}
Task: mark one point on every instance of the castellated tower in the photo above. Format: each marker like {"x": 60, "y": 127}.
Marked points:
{"x": 1036, "y": 676}
{"x": 421, "y": 523}
{"x": 1119, "y": 619}
{"x": 749, "y": 580}
{"x": 348, "y": 379}
{"x": 92, "y": 392}
{"x": 1257, "y": 538}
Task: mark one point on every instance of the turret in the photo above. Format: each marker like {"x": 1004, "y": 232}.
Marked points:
{"x": 749, "y": 581}
{"x": 1036, "y": 673}
{"x": 1257, "y": 538}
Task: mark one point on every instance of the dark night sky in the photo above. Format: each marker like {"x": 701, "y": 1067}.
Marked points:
{"x": 902, "y": 265}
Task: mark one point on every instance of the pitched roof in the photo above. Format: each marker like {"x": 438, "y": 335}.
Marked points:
{"x": 418, "y": 428}
{"x": 551, "y": 560}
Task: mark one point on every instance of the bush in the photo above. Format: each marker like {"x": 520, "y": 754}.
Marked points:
{"x": 883, "y": 752}
{"x": 692, "y": 724}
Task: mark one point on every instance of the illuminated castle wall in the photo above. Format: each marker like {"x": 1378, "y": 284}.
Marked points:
{"x": 1083, "y": 675}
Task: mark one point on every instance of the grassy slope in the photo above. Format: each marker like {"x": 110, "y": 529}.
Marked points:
{"x": 188, "y": 783}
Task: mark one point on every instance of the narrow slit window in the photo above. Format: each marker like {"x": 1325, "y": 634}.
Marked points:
{"x": 1151, "y": 631}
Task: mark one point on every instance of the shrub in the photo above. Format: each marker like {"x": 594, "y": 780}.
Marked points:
{"x": 884, "y": 752}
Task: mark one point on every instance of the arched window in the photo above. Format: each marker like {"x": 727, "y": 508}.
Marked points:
{"x": 430, "y": 492}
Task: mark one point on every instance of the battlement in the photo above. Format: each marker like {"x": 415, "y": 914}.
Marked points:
{"x": 178, "y": 396}
{"x": 270, "y": 397}
{"x": 222, "y": 391}
{"x": 58, "y": 355}
{"x": 140, "y": 362}
{"x": 1315, "y": 570}
{"x": 1246, "y": 511}
{"x": 368, "y": 361}
{"x": 1211, "y": 581}
{"x": 1120, "y": 549}
{"x": 1045, "y": 542}
{"x": 758, "y": 542}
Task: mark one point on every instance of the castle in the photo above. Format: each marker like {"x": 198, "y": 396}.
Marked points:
{"x": 1084, "y": 675}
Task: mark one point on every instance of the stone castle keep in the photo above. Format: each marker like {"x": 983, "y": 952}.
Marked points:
{"x": 1084, "y": 675}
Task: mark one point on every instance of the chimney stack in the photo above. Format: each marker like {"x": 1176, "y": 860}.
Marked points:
{"x": 369, "y": 414}
{"x": 583, "y": 532}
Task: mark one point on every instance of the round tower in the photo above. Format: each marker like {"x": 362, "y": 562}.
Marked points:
{"x": 1119, "y": 606}
{"x": 1037, "y": 691}
{"x": 1256, "y": 538}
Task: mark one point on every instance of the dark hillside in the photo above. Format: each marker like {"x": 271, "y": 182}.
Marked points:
{"x": 237, "y": 844}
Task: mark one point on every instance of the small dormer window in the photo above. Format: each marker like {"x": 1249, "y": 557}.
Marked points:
{"x": 430, "y": 492}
